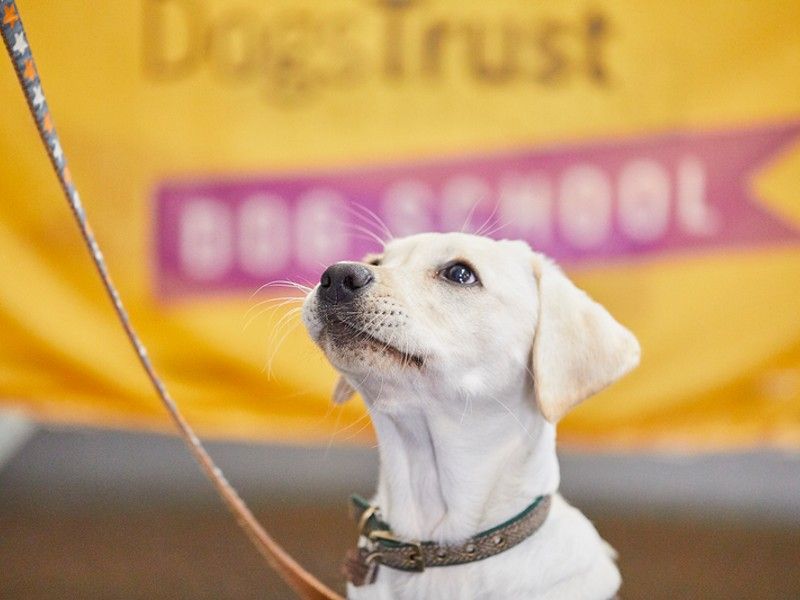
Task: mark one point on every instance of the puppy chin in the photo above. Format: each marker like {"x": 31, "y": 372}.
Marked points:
{"x": 356, "y": 356}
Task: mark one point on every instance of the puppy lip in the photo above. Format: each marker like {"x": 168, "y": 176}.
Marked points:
{"x": 337, "y": 325}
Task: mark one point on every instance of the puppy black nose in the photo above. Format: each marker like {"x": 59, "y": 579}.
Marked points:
{"x": 341, "y": 282}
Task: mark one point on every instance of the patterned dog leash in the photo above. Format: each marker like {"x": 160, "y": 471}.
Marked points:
{"x": 301, "y": 581}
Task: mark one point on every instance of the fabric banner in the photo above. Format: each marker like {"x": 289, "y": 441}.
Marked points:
{"x": 653, "y": 150}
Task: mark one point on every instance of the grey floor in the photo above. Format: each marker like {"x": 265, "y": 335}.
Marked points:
{"x": 105, "y": 514}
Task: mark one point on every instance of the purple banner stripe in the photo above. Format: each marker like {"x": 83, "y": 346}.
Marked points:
{"x": 594, "y": 201}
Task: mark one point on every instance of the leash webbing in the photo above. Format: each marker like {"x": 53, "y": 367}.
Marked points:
{"x": 303, "y": 583}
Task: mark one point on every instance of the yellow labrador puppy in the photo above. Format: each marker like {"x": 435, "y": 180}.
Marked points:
{"x": 467, "y": 352}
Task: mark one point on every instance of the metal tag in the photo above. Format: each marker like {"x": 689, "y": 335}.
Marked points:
{"x": 361, "y": 566}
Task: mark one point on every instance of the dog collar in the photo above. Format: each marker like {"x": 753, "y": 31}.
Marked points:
{"x": 378, "y": 545}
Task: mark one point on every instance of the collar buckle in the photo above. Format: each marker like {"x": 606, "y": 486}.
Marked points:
{"x": 412, "y": 551}
{"x": 363, "y": 520}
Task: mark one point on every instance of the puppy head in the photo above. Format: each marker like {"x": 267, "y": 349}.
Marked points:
{"x": 459, "y": 316}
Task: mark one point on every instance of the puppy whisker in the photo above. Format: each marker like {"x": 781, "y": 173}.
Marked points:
{"x": 358, "y": 230}
{"x": 515, "y": 417}
{"x": 351, "y": 425}
{"x": 266, "y": 311}
{"x": 339, "y": 412}
{"x": 467, "y": 403}
{"x": 359, "y": 430}
{"x": 283, "y": 283}
{"x": 369, "y": 216}
{"x": 499, "y": 227}
{"x": 469, "y": 216}
{"x": 489, "y": 218}
{"x": 276, "y": 302}
{"x": 283, "y": 321}
{"x": 277, "y": 347}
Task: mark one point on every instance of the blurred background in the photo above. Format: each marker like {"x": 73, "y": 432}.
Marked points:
{"x": 652, "y": 149}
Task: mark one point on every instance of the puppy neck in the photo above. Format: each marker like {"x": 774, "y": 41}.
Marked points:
{"x": 451, "y": 468}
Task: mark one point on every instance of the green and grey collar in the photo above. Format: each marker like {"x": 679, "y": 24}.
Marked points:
{"x": 380, "y": 546}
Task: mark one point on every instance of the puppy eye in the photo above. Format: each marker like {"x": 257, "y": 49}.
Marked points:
{"x": 460, "y": 273}
{"x": 375, "y": 262}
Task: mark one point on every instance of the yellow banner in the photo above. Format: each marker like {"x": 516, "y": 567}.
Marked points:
{"x": 653, "y": 148}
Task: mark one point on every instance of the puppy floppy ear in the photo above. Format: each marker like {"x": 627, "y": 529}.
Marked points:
{"x": 343, "y": 391}
{"x": 579, "y": 348}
